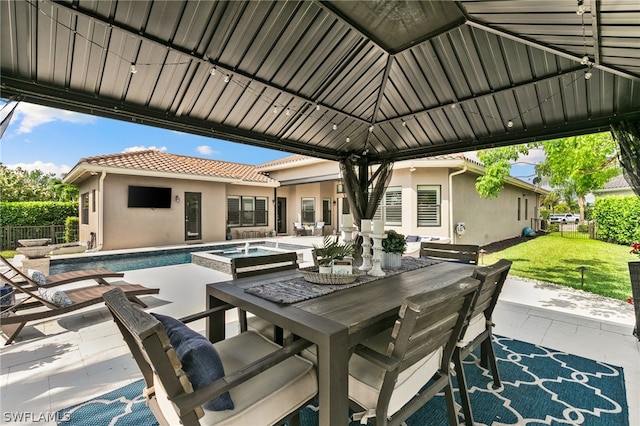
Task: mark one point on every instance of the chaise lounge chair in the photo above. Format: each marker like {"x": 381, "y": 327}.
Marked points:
{"x": 12, "y": 273}
{"x": 31, "y": 305}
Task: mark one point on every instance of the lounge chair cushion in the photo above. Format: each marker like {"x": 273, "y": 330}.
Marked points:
{"x": 200, "y": 360}
{"x": 413, "y": 238}
{"x": 37, "y": 276}
{"x": 56, "y": 297}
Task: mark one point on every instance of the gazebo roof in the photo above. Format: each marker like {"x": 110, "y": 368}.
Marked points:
{"x": 331, "y": 79}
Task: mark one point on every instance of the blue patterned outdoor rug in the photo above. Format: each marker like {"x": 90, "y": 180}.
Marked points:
{"x": 541, "y": 386}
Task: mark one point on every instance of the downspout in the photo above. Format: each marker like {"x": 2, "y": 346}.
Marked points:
{"x": 275, "y": 211}
{"x": 451, "y": 224}
{"x": 101, "y": 211}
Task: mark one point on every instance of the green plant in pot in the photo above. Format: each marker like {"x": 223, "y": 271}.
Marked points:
{"x": 331, "y": 250}
{"x": 392, "y": 249}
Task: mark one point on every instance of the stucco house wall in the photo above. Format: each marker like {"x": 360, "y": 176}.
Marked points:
{"x": 490, "y": 220}
{"x": 293, "y": 178}
{"x": 125, "y": 227}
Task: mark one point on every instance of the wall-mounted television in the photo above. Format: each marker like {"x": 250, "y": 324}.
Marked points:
{"x": 149, "y": 196}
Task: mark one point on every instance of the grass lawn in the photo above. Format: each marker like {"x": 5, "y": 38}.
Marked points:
{"x": 554, "y": 259}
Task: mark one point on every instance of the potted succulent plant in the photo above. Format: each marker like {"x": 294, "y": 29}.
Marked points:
{"x": 332, "y": 250}
{"x": 392, "y": 248}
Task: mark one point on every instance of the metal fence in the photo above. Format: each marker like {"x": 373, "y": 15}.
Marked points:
{"x": 587, "y": 230}
{"x": 11, "y": 234}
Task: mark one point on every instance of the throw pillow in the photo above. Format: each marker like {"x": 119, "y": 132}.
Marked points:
{"x": 200, "y": 360}
{"x": 37, "y": 276}
{"x": 57, "y": 297}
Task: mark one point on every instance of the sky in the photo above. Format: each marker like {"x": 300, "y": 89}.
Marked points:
{"x": 54, "y": 140}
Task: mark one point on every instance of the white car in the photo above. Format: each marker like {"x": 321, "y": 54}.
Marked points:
{"x": 564, "y": 218}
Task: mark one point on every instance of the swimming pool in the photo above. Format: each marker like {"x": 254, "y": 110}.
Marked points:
{"x": 152, "y": 259}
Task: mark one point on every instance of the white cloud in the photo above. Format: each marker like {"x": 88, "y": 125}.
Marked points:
{"x": 31, "y": 116}
{"x": 144, "y": 148}
{"x": 47, "y": 168}
{"x": 535, "y": 156}
{"x": 205, "y": 150}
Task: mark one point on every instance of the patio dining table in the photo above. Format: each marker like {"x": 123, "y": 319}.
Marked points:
{"x": 335, "y": 322}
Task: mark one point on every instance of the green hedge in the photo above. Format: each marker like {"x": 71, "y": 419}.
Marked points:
{"x": 618, "y": 219}
{"x": 36, "y": 213}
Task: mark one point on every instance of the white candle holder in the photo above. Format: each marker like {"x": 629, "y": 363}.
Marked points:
{"x": 366, "y": 252}
{"x": 347, "y": 232}
{"x": 376, "y": 269}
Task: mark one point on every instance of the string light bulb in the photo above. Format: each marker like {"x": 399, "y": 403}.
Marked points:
{"x": 587, "y": 74}
{"x": 404, "y": 123}
{"x": 509, "y": 124}
{"x": 317, "y": 107}
{"x": 275, "y": 110}
{"x": 585, "y": 60}
{"x": 227, "y": 78}
{"x": 288, "y": 112}
{"x": 133, "y": 69}
{"x": 212, "y": 71}
{"x": 348, "y": 140}
{"x": 581, "y": 7}
{"x": 334, "y": 127}
{"x": 370, "y": 129}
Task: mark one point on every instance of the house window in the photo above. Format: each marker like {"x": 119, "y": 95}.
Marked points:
{"x": 93, "y": 200}
{"x": 390, "y": 208}
{"x": 247, "y": 211}
{"x": 84, "y": 208}
{"x": 526, "y": 209}
{"x": 429, "y": 210}
{"x": 308, "y": 213}
{"x": 326, "y": 211}
{"x": 519, "y": 212}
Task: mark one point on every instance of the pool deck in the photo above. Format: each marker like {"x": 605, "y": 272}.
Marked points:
{"x": 62, "y": 362}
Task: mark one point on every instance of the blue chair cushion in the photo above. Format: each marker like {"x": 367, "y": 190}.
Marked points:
{"x": 200, "y": 360}
{"x": 413, "y": 238}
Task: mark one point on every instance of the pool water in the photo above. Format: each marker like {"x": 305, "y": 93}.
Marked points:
{"x": 153, "y": 259}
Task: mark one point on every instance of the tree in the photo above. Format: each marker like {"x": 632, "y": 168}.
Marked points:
{"x": 579, "y": 164}
{"x": 21, "y": 185}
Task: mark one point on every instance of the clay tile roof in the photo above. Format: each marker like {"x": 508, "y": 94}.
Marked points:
{"x": 157, "y": 161}
{"x": 617, "y": 182}
{"x": 290, "y": 160}
{"x": 286, "y": 160}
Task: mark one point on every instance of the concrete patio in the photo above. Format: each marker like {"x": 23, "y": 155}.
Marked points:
{"x": 61, "y": 362}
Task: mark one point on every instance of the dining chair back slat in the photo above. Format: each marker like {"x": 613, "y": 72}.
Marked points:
{"x": 257, "y": 265}
{"x": 465, "y": 253}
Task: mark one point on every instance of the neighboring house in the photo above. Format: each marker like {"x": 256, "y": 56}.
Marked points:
{"x": 151, "y": 198}
{"x": 617, "y": 185}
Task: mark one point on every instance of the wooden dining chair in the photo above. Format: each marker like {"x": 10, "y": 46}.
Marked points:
{"x": 257, "y": 265}
{"x": 479, "y": 329}
{"x": 395, "y": 373}
{"x": 244, "y": 380}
